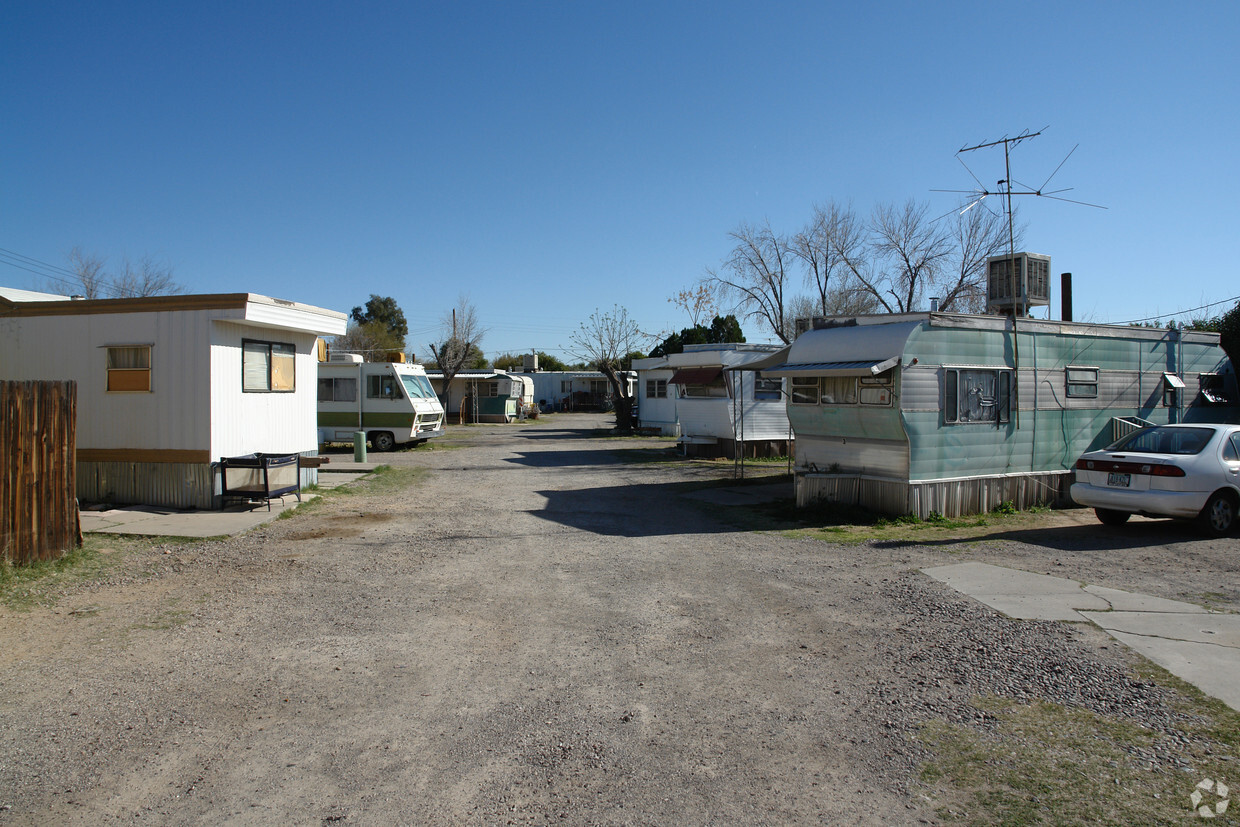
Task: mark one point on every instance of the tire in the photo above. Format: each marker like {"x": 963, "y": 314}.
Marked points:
{"x": 1108, "y": 517}
{"x": 1218, "y": 518}
{"x": 382, "y": 441}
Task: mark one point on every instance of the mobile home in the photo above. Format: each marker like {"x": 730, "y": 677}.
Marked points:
{"x": 725, "y": 410}
{"x": 484, "y": 395}
{"x": 392, "y": 402}
{"x": 656, "y": 396}
{"x": 168, "y": 385}
{"x": 936, "y": 412}
{"x": 577, "y": 390}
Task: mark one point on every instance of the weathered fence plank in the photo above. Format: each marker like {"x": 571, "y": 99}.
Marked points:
{"x": 38, "y": 470}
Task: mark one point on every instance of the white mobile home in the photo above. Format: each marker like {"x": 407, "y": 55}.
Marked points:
{"x": 723, "y": 408}
{"x": 392, "y": 402}
{"x": 576, "y": 390}
{"x": 168, "y": 385}
{"x": 656, "y": 396}
{"x": 955, "y": 414}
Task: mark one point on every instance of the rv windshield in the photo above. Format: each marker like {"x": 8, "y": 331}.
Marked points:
{"x": 417, "y": 387}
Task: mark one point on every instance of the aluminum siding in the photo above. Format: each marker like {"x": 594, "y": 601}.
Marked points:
{"x": 174, "y": 415}
{"x": 278, "y": 423}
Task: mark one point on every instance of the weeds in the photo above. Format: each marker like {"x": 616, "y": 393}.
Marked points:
{"x": 40, "y": 584}
{"x": 1042, "y": 763}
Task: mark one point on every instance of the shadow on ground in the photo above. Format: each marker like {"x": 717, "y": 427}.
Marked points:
{"x": 664, "y": 509}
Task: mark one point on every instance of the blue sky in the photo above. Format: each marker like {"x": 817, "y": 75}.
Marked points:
{"x": 551, "y": 158}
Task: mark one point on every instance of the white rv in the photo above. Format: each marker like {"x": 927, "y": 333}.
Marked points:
{"x": 391, "y": 401}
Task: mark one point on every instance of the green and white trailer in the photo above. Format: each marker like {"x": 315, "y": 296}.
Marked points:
{"x": 391, "y": 401}
{"x": 955, "y": 414}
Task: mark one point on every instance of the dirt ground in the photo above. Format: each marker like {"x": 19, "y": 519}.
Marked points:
{"x": 544, "y": 629}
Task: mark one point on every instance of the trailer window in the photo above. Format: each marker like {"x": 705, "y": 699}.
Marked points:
{"x": 976, "y": 395}
{"x": 268, "y": 367}
{"x": 656, "y": 389}
{"x": 334, "y": 389}
{"x": 767, "y": 388}
{"x": 129, "y": 368}
{"x": 876, "y": 390}
{"x": 1081, "y": 382}
{"x": 839, "y": 390}
{"x": 382, "y": 387}
{"x": 805, "y": 390}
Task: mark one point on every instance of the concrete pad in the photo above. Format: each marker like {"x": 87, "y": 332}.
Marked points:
{"x": 1215, "y": 670}
{"x": 150, "y": 521}
{"x": 1122, "y": 601}
{"x": 1197, "y": 646}
{"x": 1020, "y": 594}
{"x": 1215, "y": 629}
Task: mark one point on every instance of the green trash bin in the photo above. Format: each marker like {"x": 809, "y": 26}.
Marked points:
{"x": 359, "y": 446}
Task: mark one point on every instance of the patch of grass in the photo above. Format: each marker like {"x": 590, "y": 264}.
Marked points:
{"x": 1208, "y": 717}
{"x": 1046, "y": 764}
{"x": 41, "y": 584}
{"x": 842, "y": 523}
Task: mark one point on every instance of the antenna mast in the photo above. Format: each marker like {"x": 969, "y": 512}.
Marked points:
{"x": 1006, "y": 183}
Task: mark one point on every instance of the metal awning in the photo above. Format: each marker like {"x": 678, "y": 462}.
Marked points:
{"x": 866, "y": 367}
{"x": 1170, "y": 380}
{"x": 777, "y": 358}
{"x": 696, "y": 376}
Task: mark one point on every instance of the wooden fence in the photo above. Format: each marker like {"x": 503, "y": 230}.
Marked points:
{"x": 38, "y": 470}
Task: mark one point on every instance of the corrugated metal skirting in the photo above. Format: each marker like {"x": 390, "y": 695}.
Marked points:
{"x": 171, "y": 484}
{"x": 950, "y": 498}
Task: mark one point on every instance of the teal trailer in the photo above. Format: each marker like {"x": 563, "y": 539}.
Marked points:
{"x": 955, "y": 414}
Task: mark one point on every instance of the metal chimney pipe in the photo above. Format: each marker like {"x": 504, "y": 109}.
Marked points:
{"x": 1065, "y": 296}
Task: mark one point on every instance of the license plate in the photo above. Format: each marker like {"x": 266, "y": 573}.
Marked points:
{"x": 1119, "y": 480}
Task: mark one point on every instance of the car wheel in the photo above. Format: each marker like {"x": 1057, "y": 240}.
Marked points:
{"x": 383, "y": 441}
{"x": 1108, "y": 517}
{"x": 1218, "y": 518}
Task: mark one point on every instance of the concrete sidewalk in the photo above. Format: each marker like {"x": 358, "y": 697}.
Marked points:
{"x": 1188, "y": 641}
{"x": 150, "y": 520}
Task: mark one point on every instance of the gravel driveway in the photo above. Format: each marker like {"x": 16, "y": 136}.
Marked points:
{"x": 545, "y": 630}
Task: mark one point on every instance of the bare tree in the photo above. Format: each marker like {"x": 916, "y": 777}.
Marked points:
{"x": 462, "y": 335}
{"x": 909, "y": 251}
{"x": 699, "y": 301}
{"x": 833, "y": 237}
{"x": 756, "y": 275}
{"x": 88, "y": 269}
{"x": 976, "y": 234}
{"x": 911, "y": 257}
{"x": 145, "y": 277}
{"x": 604, "y": 340}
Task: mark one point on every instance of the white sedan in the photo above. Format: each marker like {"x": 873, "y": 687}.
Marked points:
{"x": 1187, "y": 471}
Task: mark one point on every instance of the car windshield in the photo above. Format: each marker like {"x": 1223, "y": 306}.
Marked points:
{"x": 1159, "y": 440}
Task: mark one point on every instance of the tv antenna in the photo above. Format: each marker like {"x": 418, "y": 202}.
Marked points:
{"x": 1005, "y": 186}
{"x": 1005, "y": 191}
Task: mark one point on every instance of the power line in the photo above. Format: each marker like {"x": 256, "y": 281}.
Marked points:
{"x": 62, "y": 275}
{"x": 1180, "y": 312}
